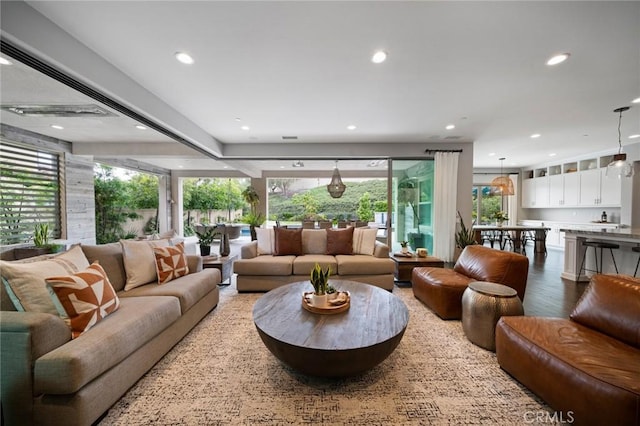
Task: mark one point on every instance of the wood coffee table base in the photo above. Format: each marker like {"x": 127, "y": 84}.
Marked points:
{"x": 339, "y": 345}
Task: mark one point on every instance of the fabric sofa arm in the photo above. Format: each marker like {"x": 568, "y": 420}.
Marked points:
{"x": 24, "y": 337}
{"x": 194, "y": 262}
{"x": 381, "y": 250}
{"x": 249, "y": 251}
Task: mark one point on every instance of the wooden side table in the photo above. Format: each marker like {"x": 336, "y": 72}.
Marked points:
{"x": 223, "y": 264}
{"x": 405, "y": 265}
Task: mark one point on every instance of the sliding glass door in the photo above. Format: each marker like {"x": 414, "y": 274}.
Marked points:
{"x": 412, "y": 203}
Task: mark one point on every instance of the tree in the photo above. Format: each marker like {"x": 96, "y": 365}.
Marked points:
{"x": 365, "y": 212}
{"x": 284, "y": 184}
{"x": 254, "y": 218}
{"x": 308, "y": 202}
{"x": 111, "y": 206}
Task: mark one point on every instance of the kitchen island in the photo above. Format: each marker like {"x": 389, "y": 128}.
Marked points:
{"x": 574, "y": 249}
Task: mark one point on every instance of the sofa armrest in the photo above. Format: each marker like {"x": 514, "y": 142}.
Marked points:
{"x": 24, "y": 337}
{"x": 249, "y": 251}
{"x": 194, "y": 262}
{"x": 381, "y": 250}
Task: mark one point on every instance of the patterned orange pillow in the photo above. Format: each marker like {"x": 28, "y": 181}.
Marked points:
{"x": 171, "y": 262}
{"x": 85, "y": 298}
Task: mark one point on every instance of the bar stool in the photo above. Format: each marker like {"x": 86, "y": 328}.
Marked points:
{"x": 637, "y": 250}
{"x": 598, "y": 245}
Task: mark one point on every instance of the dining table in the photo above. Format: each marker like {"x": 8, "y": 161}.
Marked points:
{"x": 516, "y": 233}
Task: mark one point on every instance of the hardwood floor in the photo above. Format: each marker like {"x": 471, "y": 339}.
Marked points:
{"x": 547, "y": 293}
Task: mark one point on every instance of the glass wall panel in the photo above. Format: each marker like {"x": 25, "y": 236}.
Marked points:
{"x": 412, "y": 204}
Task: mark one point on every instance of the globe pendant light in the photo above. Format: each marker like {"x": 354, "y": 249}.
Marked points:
{"x": 336, "y": 187}
{"x": 619, "y": 167}
{"x": 502, "y": 185}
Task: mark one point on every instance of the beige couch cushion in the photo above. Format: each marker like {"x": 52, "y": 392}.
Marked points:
{"x": 189, "y": 289}
{"x": 71, "y": 366}
{"x": 140, "y": 262}
{"x": 361, "y": 264}
{"x": 26, "y": 280}
{"x": 266, "y": 240}
{"x": 364, "y": 240}
{"x": 303, "y": 265}
{"x": 110, "y": 258}
{"x": 264, "y": 265}
{"x": 314, "y": 241}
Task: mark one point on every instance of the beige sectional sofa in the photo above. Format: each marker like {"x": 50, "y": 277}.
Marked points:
{"x": 264, "y": 272}
{"x": 50, "y": 378}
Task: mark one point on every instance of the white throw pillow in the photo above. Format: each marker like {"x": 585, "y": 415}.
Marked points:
{"x": 364, "y": 240}
{"x": 140, "y": 262}
{"x": 266, "y": 240}
{"x": 25, "y": 282}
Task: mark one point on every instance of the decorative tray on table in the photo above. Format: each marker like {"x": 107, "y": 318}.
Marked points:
{"x": 341, "y": 303}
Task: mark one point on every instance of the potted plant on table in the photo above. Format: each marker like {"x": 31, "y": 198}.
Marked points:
{"x": 405, "y": 246}
{"x": 205, "y": 238}
{"x": 319, "y": 279}
{"x": 500, "y": 217}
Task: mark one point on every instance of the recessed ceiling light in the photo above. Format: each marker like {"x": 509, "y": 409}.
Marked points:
{"x": 184, "y": 57}
{"x": 140, "y": 127}
{"x": 491, "y": 154}
{"x": 634, "y": 136}
{"x": 379, "y": 57}
{"x": 245, "y": 128}
{"x": 238, "y": 119}
{"x": 4, "y": 61}
{"x": 636, "y": 101}
{"x": 450, "y": 126}
{"x": 553, "y": 154}
{"x": 57, "y": 126}
{"x": 558, "y": 59}
{"x": 535, "y": 135}
{"x": 180, "y": 166}
{"x": 351, "y": 127}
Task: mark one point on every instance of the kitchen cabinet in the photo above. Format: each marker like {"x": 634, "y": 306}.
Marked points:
{"x": 596, "y": 189}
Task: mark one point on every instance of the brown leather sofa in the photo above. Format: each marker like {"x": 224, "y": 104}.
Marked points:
{"x": 587, "y": 367}
{"x": 441, "y": 289}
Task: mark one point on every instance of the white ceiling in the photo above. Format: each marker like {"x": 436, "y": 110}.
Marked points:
{"x": 303, "y": 69}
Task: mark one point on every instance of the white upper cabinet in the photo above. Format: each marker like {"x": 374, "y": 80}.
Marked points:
{"x": 574, "y": 184}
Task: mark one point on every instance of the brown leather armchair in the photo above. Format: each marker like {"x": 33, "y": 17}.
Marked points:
{"x": 586, "y": 367}
{"x": 441, "y": 289}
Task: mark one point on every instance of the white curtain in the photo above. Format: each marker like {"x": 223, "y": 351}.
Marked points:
{"x": 445, "y": 187}
{"x": 514, "y": 201}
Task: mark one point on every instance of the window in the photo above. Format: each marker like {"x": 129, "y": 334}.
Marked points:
{"x": 29, "y": 193}
{"x": 485, "y": 205}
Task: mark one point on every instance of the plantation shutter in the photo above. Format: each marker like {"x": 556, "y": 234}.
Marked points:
{"x": 29, "y": 193}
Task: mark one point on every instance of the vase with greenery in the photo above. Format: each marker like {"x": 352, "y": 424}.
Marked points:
{"x": 500, "y": 217}
{"x": 405, "y": 246}
{"x": 205, "y": 238}
{"x": 319, "y": 279}
{"x": 253, "y": 218}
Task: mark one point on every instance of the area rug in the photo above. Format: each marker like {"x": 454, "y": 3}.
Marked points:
{"x": 222, "y": 374}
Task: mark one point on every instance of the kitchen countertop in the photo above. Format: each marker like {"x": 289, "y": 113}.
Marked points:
{"x": 627, "y": 233}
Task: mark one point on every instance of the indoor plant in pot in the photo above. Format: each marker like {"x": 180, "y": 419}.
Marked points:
{"x": 205, "y": 238}
{"x": 319, "y": 280}
{"x": 464, "y": 237}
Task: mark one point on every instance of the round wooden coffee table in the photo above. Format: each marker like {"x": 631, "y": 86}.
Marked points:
{"x": 335, "y": 345}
